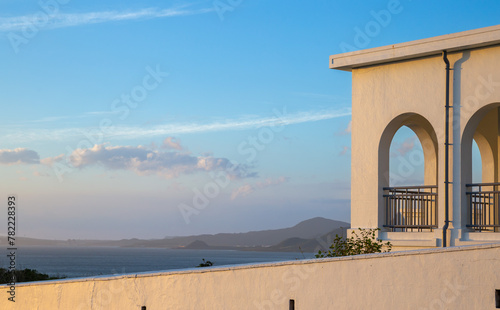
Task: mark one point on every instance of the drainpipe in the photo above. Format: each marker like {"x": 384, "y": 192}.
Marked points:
{"x": 446, "y": 150}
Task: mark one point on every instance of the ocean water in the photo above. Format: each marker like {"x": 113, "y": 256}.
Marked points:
{"x": 73, "y": 262}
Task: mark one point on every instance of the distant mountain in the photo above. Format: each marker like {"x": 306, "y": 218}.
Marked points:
{"x": 307, "y": 234}
{"x": 197, "y": 245}
{"x": 309, "y": 229}
{"x": 309, "y": 245}
{"x": 294, "y": 244}
{"x": 32, "y": 241}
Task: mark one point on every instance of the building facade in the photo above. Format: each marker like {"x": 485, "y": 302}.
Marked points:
{"x": 446, "y": 89}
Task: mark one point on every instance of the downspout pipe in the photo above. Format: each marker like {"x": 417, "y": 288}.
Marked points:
{"x": 447, "y": 151}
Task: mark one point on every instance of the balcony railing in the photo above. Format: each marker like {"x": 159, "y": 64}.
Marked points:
{"x": 484, "y": 206}
{"x": 411, "y": 208}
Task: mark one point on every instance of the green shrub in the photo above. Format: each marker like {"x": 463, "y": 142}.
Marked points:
{"x": 364, "y": 243}
{"x": 205, "y": 263}
{"x": 24, "y": 275}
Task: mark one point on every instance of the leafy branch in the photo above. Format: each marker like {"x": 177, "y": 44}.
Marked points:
{"x": 364, "y": 243}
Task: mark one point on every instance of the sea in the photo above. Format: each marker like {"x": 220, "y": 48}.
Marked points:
{"x": 76, "y": 262}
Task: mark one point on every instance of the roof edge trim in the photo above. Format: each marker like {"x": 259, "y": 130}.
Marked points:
{"x": 415, "y": 49}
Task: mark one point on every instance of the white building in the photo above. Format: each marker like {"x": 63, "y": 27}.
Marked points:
{"x": 409, "y": 84}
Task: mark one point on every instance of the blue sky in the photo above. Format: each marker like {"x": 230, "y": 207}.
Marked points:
{"x": 148, "y": 119}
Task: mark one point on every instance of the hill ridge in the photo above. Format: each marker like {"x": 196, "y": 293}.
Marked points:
{"x": 308, "y": 229}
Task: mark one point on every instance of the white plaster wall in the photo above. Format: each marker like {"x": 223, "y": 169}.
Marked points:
{"x": 380, "y": 94}
{"x": 453, "y": 278}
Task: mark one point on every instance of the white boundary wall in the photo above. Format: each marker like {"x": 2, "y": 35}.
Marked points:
{"x": 453, "y": 278}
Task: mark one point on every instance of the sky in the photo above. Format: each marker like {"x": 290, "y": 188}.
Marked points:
{"x": 147, "y": 119}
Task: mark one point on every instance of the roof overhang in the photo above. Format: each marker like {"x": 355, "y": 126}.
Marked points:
{"x": 415, "y": 49}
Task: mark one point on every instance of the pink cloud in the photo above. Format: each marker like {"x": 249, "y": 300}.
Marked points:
{"x": 172, "y": 143}
{"x": 144, "y": 161}
{"x": 247, "y": 189}
{"x": 345, "y": 150}
{"x": 406, "y": 146}
{"x": 346, "y": 131}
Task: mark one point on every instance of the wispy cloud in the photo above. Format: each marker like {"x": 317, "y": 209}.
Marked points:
{"x": 94, "y": 113}
{"x": 247, "y": 189}
{"x": 327, "y": 97}
{"x": 51, "y": 119}
{"x": 62, "y": 20}
{"x": 123, "y": 132}
{"x": 239, "y": 124}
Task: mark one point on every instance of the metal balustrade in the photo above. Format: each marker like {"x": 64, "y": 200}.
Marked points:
{"x": 411, "y": 208}
{"x": 484, "y": 206}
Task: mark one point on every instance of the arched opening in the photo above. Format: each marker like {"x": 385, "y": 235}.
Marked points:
{"x": 406, "y": 159}
{"x": 477, "y": 176}
{"x": 481, "y": 201}
{"x": 408, "y": 192}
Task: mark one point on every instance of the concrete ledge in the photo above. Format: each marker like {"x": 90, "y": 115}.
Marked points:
{"x": 410, "y": 239}
{"x": 481, "y": 236}
{"x": 414, "y": 243}
{"x": 420, "y": 48}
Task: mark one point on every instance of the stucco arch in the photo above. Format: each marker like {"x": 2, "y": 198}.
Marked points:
{"x": 428, "y": 139}
{"x": 484, "y": 128}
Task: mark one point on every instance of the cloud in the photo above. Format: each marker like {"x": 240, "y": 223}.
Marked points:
{"x": 40, "y": 174}
{"x": 280, "y": 119}
{"x": 50, "y": 161}
{"x": 247, "y": 189}
{"x": 347, "y": 130}
{"x": 328, "y": 97}
{"x": 172, "y": 143}
{"x": 345, "y": 150}
{"x": 51, "y": 119}
{"x": 63, "y": 20}
{"x": 18, "y": 156}
{"x": 406, "y": 146}
{"x": 242, "y": 191}
{"x": 144, "y": 161}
